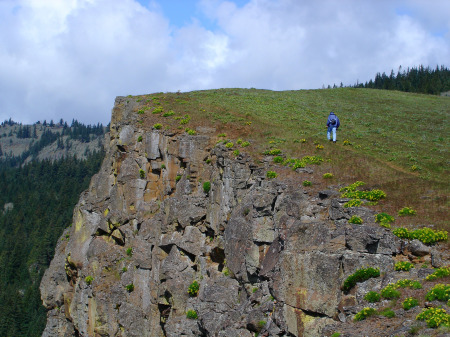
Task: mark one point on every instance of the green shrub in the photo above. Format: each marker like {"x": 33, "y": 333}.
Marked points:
{"x": 364, "y": 313}
{"x": 185, "y": 120}
{"x": 328, "y": 176}
{"x": 124, "y": 269}
{"x": 221, "y": 135}
{"x": 352, "y": 187}
{"x": 157, "y": 110}
{"x": 355, "y": 220}
{"x": 425, "y": 235}
{"x": 271, "y": 174}
{"x": 229, "y": 145}
{"x": 278, "y": 159}
{"x": 89, "y": 279}
{"x": 141, "y": 112}
{"x": 191, "y": 132}
{"x": 245, "y": 144}
{"x": 272, "y": 152}
{"x": 142, "y": 174}
{"x": 157, "y": 126}
{"x": 440, "y": 292}
{"x": 384, "y": 218}
{"x": 140, "y": 139}
{"x": 177, "y": 178}
{"x": 191, "y": 314}
{"x": 352, "y": 192}
{"x": 360, "y": 275}
{"x": 403, "y": 266}
{"x": 434, "y": 317}
{"x": 296, "y": 163}
{"x": 129, "y": 287}
{"x": 406, "y": 211}
{"x": 372, "y": 297}
{"x": 129, "y": 251}
{"x": 236, "y": 153}
{"x": 193, "y": 289}
{"x": 390, "y": 291}
{"x": 206, "y": 186}
{"x": 336, "y": 334}
{"x": 163, "y": 166}
{"x": 438, "y": 273}
{"x": 405, "y": 283}
{"x": 307, "y": 183}
{"x": 169, "y": 113}
{"x": 410, "y": 302}
{"x": 387, "y": 313}
{"x": 353, "y": 203}
{"x": 261, "y": 324}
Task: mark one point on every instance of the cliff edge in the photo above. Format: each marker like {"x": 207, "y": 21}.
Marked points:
{"x": 179, "y": 236}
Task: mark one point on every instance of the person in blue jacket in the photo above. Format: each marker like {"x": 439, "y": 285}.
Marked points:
{"x": 333, "y": 124}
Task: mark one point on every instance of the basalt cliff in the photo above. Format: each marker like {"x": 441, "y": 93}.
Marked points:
{"x": 178, "y": 236}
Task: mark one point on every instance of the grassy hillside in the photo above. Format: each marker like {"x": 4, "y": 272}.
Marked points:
{"x": 395, "y": 141}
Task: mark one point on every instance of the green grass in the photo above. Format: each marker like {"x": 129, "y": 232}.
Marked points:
{"x": 386, "y": 132}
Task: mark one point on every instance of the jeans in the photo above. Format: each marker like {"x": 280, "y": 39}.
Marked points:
{"x": 331, "y": 129}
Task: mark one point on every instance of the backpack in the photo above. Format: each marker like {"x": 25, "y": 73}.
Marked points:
{"x": 333, "y": 121}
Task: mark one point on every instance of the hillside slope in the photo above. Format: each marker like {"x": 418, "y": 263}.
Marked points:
{"x": 20, "y": 144}
{"x": 189, "y": 229}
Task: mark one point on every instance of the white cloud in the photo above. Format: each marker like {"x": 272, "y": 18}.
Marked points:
{"x": 71, "y": 58}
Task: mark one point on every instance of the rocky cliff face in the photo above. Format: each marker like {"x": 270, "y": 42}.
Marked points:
{"x": 268, "y": 257}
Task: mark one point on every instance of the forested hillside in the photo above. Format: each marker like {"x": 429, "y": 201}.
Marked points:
{"x": 20, "y": 144}
{"x": 36, "y": 204}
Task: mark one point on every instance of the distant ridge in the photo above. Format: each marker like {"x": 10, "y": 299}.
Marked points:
{"x": 19, "y": 143}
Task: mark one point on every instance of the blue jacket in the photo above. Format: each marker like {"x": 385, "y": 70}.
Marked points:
{"x": 330, "y": 117}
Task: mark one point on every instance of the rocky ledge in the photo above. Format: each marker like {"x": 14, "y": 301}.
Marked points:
{"x": 269, "y": 259}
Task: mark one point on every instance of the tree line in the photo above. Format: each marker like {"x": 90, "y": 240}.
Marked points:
{"x": 419, "y": 79}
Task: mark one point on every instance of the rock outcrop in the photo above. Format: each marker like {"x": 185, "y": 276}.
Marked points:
{"x": 269, "y": 258}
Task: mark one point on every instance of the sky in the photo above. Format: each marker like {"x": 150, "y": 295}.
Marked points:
{"x": 69, "y": 59}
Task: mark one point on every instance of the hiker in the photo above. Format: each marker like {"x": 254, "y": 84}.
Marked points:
{"x": 332, "y": 125}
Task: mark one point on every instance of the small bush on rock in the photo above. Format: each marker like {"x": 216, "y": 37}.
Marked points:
{"x": 390, "y": 291}
{"x": 372, "y": 297}
{"x": 206, "y": 186}
{"x": 410, "y": 302}
{"x": 353, "y": 203}
{"x": 89, "y": 279}
{"x": 434, "y": 317}
{"x": 307, "y": 183}
{"x": 403, "y": 266}
{"x": 355, "y": 220}
{"x": 389, "y": 313}
{"x": 440, "y": 292}
{"x": 426, "y": 235}
{"x": 405, "y": 283}
{"x": 193, "y": 289}
{"x": 363, "y": 314}
{"x": 360, "y": 275}
{"x": 271, "y": 174}
{"x": 438, "y": 273}
{"x": 191, "y": 314}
